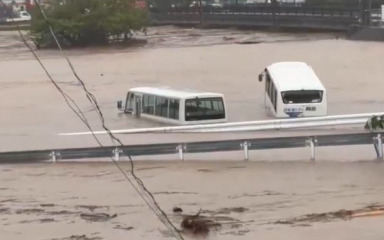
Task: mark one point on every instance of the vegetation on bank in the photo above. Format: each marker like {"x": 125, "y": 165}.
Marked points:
{"x": 79, "y": 23}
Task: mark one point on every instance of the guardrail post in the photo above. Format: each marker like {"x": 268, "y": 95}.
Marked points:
{"x": 245, "y": 146}
{"x": 116, "y": 152}
{"x": 54, "y": 156}
{"x": 311, "y": 143}
{"x": 378, "y": 143}
{"x": 181, "y": 152}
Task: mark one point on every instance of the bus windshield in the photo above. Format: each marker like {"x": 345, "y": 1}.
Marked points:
{"x": 303, "y": 96}
{"x": 204, "y": 109}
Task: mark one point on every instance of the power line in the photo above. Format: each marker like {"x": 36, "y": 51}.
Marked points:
{"x": 92, "y": 99}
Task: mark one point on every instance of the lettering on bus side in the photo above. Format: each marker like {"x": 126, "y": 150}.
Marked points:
{"x": 310, "y": 108}
{"x": 293, "y": 112}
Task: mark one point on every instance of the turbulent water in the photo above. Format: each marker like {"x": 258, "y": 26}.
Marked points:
{"x": 274, "y": 196}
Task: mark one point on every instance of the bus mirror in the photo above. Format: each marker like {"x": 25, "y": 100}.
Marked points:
{"x": 261, "y": 75}
{"x": 119, "y": 104}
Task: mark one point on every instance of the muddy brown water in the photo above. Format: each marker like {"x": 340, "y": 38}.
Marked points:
{"x": 240, "y": 200}
{"x": 45, "y": 201}
{"x": 34, "y": 112}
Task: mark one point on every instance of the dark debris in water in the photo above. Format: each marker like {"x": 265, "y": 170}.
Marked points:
{"x": 90, "y": 207}
{"x": 167, "y": 193}
{"x": 177, "y": 210}
{"x": 47, "y": 205}
{"x": 368, "y": 211}
{"x": 201, "y": 225}
{"x": 43, "y": 220}
{"x": 97, "y": 217}
{"x": 227, "y": 210}
{"x": 261, "y": 194}
{"x": 62, "y": 212}
{"x": 4, "y": 210}
{"x": 198, "y": 225}
{"x": 46, "y": 220}
{"x": 78, "y": 237}
{"x": 30, "y": 211}
{"x": 123, "y": 227}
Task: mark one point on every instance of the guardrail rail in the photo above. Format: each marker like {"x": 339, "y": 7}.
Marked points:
{"x": 182, "y": 148}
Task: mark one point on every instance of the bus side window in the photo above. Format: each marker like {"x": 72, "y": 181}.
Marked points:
{"x": 145, "y": 103}
{"x": 158, "y": 101}
{"x": 273, "y": 95}
{"x": 161, "y": 109}
{"x": 164, "y": 107}
{"x": 174, "y": 109}
{"x": 275, "y": 99}
{"x": 149, "y": 102}
{"x": 268, "y": 84}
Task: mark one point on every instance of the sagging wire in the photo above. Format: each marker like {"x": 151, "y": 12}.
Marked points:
{"x": 92, "y": 99}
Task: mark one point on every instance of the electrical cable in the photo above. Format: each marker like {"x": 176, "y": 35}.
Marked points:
{"x": 92, "y": 99}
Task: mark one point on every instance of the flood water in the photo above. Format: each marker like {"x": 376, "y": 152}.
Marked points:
{"x": 248, "y": 199}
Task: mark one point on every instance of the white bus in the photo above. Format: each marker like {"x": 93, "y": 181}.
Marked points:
{"x": 180, "y": 107}
{"x": 292, "y": 89}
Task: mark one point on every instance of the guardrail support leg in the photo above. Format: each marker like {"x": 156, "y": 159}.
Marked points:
{"x": 54, "y": 156}
{"x": 116, "y": 153}
{"x": 311, "y": 143}
{"x": 245, "y": 146}
{"x": 181, "y": 153}
{"x": 378, "y": 143}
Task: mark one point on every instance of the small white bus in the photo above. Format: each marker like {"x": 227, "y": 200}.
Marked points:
{"x": 180, "y": 107}
{"x": 292, "y": 89}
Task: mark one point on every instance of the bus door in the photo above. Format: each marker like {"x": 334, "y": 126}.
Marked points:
{"x": 137, "y": 105}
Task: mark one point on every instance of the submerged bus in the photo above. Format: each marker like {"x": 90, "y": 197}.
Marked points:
{"x": 292, "y": 89}
{"x": 180, "y": 107}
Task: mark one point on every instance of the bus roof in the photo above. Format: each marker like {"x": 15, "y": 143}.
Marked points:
{"x": 175, "y": 93}
{"x": 290, "y": 76}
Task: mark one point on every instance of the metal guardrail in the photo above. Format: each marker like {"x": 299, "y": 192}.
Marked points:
{"x": 181, "y": 148}
{"x": 268, "y": 9}
{"x": 259, "y": 20}
{"x": 261, "y": 15}
{"x": 290, "y": 123}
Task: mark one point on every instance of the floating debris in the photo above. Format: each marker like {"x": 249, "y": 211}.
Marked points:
{"x": 47, "y": 205}
{"x": 97, "y": 217}
{"x": 198, "y": 225}
{"x": 90, "y": 207}
{"x": 29, "y": 211}
{"x": 4, "y": 210}
{"x": 79, "y": 237}
{"x": 45, "y": 220}
{"x": 177, "y": 210}
{"x": 123, "y": 228}
{"x": 192, "y": 193}
{"x": 227, "y": 210}
{"x": 369, "y": 211}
